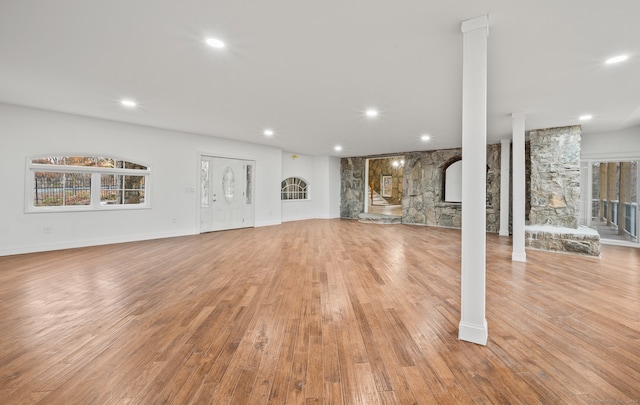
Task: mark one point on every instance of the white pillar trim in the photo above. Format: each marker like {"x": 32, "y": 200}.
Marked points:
{"x": 473, "y": 324}
{"x": 505, "y": 182}
{"x": 519, "y": 192}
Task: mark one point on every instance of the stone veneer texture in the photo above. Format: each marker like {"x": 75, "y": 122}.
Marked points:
{"x": 352, "y": 187}
{"x": 422, "y": 189}
{"x": 555, "y": 176}
{"x": 581, "y": 241}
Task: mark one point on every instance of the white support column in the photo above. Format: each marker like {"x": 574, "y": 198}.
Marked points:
{"x": 473, "y": 324}
{"x": 505, "y": 182}
{"x": 519, "y": 181}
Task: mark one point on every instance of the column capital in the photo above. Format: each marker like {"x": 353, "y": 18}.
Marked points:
{"x": 475, "y": 23}
{"x": 518, "y": 115}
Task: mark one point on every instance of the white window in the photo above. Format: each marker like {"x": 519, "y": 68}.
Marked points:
{"x": 294, "y": 188}
{"x": 71, "y": 183}
{"x": 452, "y": 178}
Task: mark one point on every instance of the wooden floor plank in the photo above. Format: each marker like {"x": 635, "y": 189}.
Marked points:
{"x": 315, "y": 312}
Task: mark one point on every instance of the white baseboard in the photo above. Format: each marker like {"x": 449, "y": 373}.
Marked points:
{"x": 519, "y": 257}
{"x": 478, "y": 334}
{"x": 90, "y": 242}
{"x": 268, "y": 223}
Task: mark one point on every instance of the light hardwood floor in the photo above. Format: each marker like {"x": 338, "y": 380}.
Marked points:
{"x": 315, "y": 312}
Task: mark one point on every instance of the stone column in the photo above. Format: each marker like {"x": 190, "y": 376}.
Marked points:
{"x": 611, "y": 190}
{"x": 505, "y": 161}
{"x": 519, "y": 193}
{"x": 625, "y": 195}
{"x": 603, "y": 189}
{"x": 473, "y": 324}
{"x": 555, "y": 177}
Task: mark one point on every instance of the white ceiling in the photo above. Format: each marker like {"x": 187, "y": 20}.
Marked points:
{"x": 310, "y": 69}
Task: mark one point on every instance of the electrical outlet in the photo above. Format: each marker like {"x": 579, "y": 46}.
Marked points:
{"x": 174, "y": 220}
{"x": 46, "y": 229}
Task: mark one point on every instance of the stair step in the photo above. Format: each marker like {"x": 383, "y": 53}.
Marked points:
{"x": 379, "y": 219}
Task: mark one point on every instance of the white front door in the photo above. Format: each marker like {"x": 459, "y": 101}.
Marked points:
{"x": 226, "y": 194}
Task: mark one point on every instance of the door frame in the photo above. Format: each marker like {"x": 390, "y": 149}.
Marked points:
{"x": 198, "y": 187}
{"x": 587, "y": 204}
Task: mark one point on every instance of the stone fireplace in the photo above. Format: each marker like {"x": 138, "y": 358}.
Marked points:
{"x": 555, "y": 194}
{"x": 555, "y": 176}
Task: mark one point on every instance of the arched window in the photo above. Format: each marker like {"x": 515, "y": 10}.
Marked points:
{"x": 294, "y": 188}
{"x": 85, "y": 182}
{"x": 452, "y": 180}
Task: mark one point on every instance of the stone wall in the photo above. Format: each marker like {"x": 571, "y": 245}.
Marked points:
{"x": 422, "y": 189}
{"x": 555, "y": 194}
{"x": 555, "y": 176}
{"x": 527, "y": 185}
{"x": 352, "y": 187}
{"x": 582, "y": 241}
{"x": 384, "y": 167}
{"x": 423, "y": 203}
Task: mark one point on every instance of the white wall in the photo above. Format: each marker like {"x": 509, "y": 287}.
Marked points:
{"x": 172, "y": 157}
{"x": 320, "y": 173}
{"x": 612, "y": 145}
{"x": 335, "y": 181}
{"x": 327, "y": 174}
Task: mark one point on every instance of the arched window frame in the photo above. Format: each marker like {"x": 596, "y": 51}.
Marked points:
{"x": 294, "y": 189}
{"x": 96, "y": 182}
{"x": 445, "y": 166}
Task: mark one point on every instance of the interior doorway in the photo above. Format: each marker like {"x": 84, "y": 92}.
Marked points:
{"x": 384, "y": 185}
{"x": 613, "y": 206}
{"x": 226, "y": 193}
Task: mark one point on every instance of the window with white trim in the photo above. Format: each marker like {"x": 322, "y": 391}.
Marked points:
{"x": 294, "y": 188}
{"x": 68, "y": 183}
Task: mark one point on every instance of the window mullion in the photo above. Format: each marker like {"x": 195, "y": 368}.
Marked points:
{"x": 95, "y": 190}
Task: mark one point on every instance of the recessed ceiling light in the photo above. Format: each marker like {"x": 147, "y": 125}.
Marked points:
{"x": 617, "y": 59}
{"x": 215, "y": 43}
{"x": 126, "y": 102}
{"x": 425, "y": 138}
{"x": 371, "y": 113}
{"x": 337, "y": 148}
{"x": 586, "y": 117}
{"x": 268, "y": 132}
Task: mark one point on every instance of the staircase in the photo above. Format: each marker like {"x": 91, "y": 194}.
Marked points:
{"x": 378, "y": 200}
{"x": 379, "y": 218}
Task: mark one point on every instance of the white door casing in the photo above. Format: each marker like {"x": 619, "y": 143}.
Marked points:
{"x": 226, "y": 193}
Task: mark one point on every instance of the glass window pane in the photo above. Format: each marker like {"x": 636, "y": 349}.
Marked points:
{"x": 133, "y": 197}
{"x": 80, "y": 161}
{"x": 134, "y": 182}
{"x": 204, "y": 184}
{"x": 293, "y": 188}
{"x": 130, "y": 165}
{"x": 48, "y": 189}
{"x": 61, "y": 189}
{"x": 105, "y": 162}
{"x": 249, "y": 183}
{"x": 52, "y": 160}
{"x": 109, "y": 197}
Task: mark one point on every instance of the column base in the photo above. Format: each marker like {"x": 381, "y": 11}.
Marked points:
{"x": 519, "y": 257}
{"x": 478, "y": 334}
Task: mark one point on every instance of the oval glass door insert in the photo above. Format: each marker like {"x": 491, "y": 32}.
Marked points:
{"x": 228, "y": 183}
